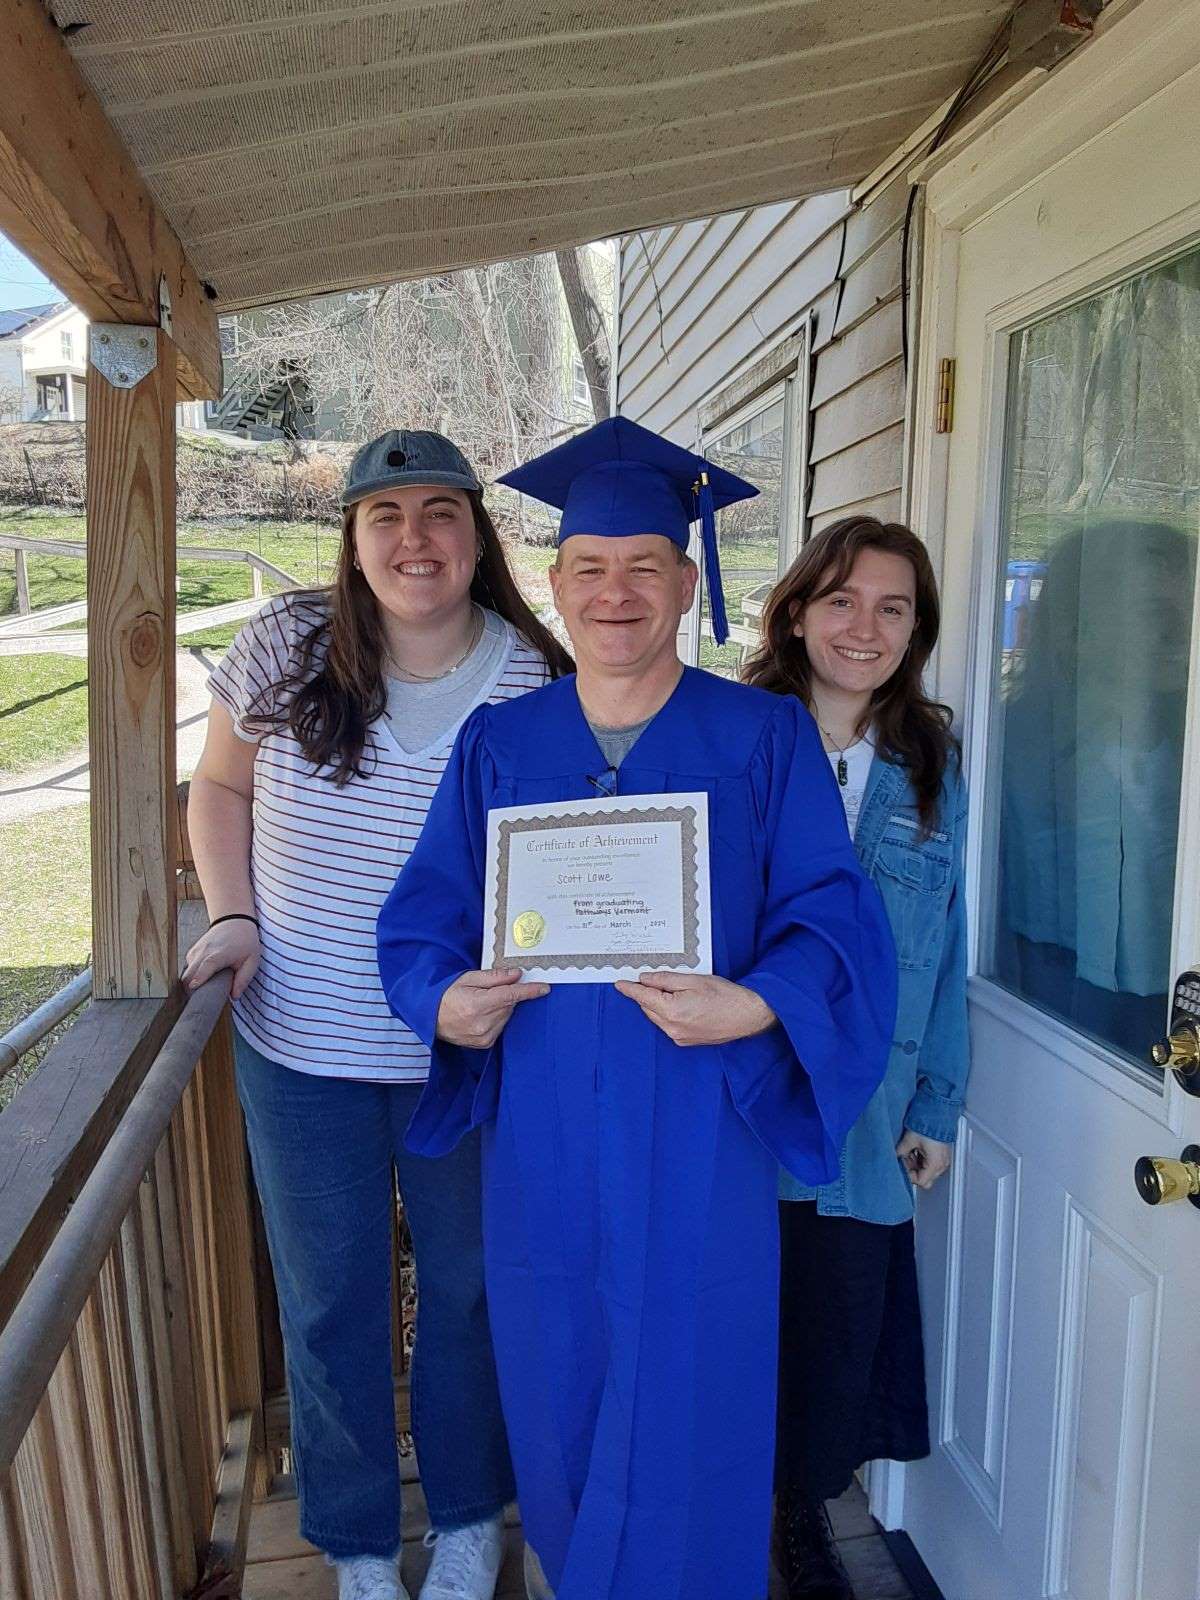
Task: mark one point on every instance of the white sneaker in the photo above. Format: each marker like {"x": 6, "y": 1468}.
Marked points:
{"x": 466, "y": 1561}
{"x": 536, "y": 1587}
{"x": 369, "y": 1578}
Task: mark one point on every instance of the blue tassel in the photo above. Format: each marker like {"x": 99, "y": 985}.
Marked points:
{"x": 712, "y": 562}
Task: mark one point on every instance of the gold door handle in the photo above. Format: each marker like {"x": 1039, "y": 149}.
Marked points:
{"x": 1180, "y": 1050}
{"x": 1160, "y": 1180}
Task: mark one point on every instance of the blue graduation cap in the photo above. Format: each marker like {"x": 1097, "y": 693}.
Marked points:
{"x": 619, "y": 478}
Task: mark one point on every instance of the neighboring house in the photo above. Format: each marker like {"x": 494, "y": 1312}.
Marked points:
{"x": 43, "y": 367}
{"x": 43, "y": 363}
{"x": 1044, "y": 440}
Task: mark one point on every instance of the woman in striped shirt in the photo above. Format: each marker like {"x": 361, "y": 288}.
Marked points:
{"x": 333, "y": 717}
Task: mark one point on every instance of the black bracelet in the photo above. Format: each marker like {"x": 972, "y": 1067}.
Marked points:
{"x": 235, "y": 916}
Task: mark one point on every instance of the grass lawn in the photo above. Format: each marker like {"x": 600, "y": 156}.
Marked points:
{"x": 1034, "y": 532}
{"x": 45, "y": 918}
{"x": 307, "y": 550}
{"x": 43, "y": 710}
{"x": 45, "y": 929}
{"x": 43, "y": 699}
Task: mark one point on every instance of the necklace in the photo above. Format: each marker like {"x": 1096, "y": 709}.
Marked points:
{"x": 420, "y": 677}
{"x": 843, "y": 766}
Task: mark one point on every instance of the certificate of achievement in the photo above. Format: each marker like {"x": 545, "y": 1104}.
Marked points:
{"x": 589, "y": 891}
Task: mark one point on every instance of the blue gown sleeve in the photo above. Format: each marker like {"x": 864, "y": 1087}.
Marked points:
{"x": 825, "y": 963}
{"x": 430, "y": 931}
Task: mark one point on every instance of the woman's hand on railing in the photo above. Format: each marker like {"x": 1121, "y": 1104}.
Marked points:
{"x": 230, "y": 944}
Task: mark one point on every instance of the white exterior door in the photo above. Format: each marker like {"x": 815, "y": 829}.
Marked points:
{"x": 1062, "y": 272}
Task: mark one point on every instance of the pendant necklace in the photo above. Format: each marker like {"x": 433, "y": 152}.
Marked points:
{"x": 843, "y": 766}
{"x": 417, "y": 677}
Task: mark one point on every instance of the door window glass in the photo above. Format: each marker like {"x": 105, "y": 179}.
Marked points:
{"x": 1101, "y": 502}
{"x": 748, "y": 533}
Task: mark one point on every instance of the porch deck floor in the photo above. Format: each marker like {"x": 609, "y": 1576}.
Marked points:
{"x": 280, "y": 1565}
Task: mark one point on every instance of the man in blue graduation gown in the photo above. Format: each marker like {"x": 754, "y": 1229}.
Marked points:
{"x": 632, "y": 1131}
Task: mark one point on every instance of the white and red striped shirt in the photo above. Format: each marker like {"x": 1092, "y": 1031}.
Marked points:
{"x": 323, "y": 859}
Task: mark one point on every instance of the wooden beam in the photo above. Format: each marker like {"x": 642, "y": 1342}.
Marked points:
{"x": 21, "y": 560}
{"x": 277, "y": 1414}
{"x": 131, "y": 676}
{"x": 73, "y": 200}
{"x": 236, "y": 1480}
{"x": 235, "y": 1484}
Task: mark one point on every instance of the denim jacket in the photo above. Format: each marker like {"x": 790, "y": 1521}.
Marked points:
{"x": 921, "y": 881}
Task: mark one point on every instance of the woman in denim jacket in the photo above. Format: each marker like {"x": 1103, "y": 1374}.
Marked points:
{"x": 849, "y": 630}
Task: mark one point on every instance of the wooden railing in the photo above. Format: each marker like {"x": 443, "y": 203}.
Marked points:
{"x": 46, "y": 631}
{"x": 142, "y": 1401}
{"x": 23, "y": 547}
{"x": 31, "y": 1030}
{"x": 131, "y": 1380}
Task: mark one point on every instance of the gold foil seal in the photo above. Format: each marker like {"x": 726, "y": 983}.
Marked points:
{"x": 529, "y": 929}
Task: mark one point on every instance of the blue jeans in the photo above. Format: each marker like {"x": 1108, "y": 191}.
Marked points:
{"x": 323, "y": 1150}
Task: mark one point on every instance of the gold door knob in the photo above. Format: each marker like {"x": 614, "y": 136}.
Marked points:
{"x": 1160, "y": 1180}
{"x": 1180, "y": 1050}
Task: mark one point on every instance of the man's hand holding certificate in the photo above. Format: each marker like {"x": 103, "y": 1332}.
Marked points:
{"x": 592, "y": 891}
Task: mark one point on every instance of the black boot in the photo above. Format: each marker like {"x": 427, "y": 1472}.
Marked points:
{"x": 805, "y": 1552}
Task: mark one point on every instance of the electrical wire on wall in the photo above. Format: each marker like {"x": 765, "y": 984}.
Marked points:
{"x": 991, "y": 58}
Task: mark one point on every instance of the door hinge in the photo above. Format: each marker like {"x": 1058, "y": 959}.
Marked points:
{"x": 944, "y": 416}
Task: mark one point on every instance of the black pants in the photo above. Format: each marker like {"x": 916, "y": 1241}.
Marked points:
{"x": 851, "y": 1357}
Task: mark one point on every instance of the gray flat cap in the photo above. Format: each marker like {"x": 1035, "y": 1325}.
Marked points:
{"x": 407, "y": 456}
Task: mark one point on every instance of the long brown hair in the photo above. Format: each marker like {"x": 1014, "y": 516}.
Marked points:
{"x": 910, "y": 729}
{"x": 330, "y": 708}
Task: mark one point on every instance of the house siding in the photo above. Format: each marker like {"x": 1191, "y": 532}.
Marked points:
{"x": 702, "y": 302}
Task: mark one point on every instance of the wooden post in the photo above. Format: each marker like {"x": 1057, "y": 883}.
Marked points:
{"x": 131, "y": 641}
{"x": 23, "y": 605}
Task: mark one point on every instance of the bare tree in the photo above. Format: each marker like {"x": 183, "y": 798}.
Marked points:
{"x": 1110, "y": 392}
{"x": 590, "y": 324}
{"x": 480, "y": 355}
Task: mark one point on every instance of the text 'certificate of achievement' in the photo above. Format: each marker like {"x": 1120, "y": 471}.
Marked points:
{"x": 589, "y": 891}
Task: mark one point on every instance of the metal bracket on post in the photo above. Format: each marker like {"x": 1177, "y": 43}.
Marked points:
{"x": 122, "y": 353}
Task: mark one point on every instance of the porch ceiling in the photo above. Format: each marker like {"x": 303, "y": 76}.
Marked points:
{"x": 299, "y": 146}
